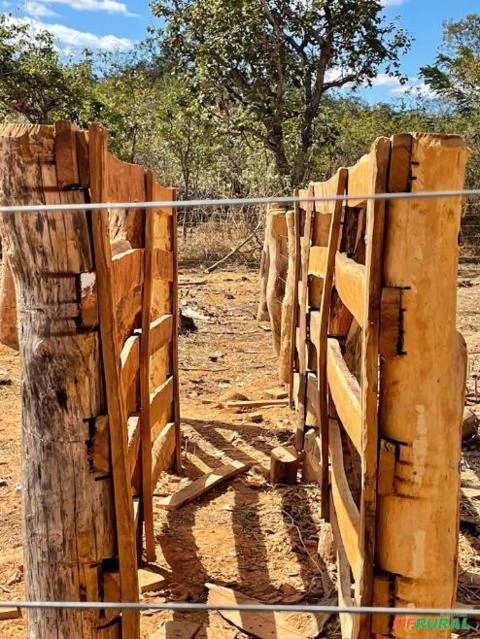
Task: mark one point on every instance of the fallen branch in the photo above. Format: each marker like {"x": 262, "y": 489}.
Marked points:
{"x": 212, "y": 268}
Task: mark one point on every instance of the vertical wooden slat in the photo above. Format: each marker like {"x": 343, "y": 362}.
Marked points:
{"x": 335, "y": 225}
{"x": 380, "y": 157}
{"x": 303, "y": 305}
{"x": 113, "y": 384}
{"x": 175, "y": 366}
{"x": 145, "y": 416}
{"x": 295, "y": 310}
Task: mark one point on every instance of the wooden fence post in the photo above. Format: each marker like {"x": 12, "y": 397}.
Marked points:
{"x": 422, "y": 384}
{"x": 8, "y": 307}
{"x": 68, "y": 499}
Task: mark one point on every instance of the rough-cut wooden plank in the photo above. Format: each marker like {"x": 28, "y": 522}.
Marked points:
{"x": 128, "y": 273}
{"x": 256, "y": 403}
{"x": 163, "y": 265}
{"x": 317, "y": 262}
{"x": 130, "y": 361}
{"x": 336, "y": 186}
{"x": 9, "y": 613}
{"x": 163, "y": 451}
{"x": 391, "y": 330}
{"x": 399, "y": 173}
{"x": 133, "y": 430}
{"x": 276, "y": 229}
{"x": 83, "y": 159}
{"x": 145, "y": 398}
{"x": 286, "y": 353}
{"x": 149, "y": 581}
{"x": 66, "y": 155}
{"x": 202, "y": 485}
{"x": 176, "y": 630}
{"x": 265, "y": 625}
{"x": 295, "y": 308}
{"x": 305, "y": 244}
{"x": 359, "y": 182}
{"x": 349, "y": 623}
{"x": 312, "y": 460}
{"x": 113, "y": 383}
{"x": 160, "y": 332}
{"x": 350, "y": 282}
{"x": 347, "y": 515}
{"x": 345, "y": 392}
{"x": 380, "y": 160}
{"x": 422, "y": 392}
{"x": 312, "y": 407}
{"x": 160, "y": 405}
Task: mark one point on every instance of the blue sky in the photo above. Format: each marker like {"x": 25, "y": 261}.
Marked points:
{"x": 118, "y": 24}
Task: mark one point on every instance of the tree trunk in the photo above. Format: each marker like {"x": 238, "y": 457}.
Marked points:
{"x": 70, "y": 533}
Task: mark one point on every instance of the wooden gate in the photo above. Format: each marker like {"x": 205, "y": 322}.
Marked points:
{"x": 355, "y": 301}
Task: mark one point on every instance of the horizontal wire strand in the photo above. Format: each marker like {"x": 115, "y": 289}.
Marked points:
{"x": 195, "y": 607}
{"x": 422, "y": 195}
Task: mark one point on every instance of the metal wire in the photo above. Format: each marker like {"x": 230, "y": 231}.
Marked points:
{"x": 195, "y": 607}
{"x": 423, "y": 195}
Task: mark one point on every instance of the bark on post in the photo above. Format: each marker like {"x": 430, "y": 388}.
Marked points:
{"x": 277, "y": 274}
{"x": 422, "y": 389}
{"x": 70, "y": 535}
{"x": 8, "y": 307}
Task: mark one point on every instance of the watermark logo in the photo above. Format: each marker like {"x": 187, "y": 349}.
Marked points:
{"x": 431, "y": 623}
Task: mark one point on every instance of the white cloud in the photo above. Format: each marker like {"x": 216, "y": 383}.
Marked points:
{"x": 38, "y": 9}
{"x": 414, "y": 88}
{"x": 108, "y": 6}
{"x": 393, "y": 3}
{"x": 77, "y": 39}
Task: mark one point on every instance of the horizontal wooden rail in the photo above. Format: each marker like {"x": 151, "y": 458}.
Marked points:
{"x": 130, "y": 361}
{"x": 317, "y": 262}
{"x": 160, "y": 332}
{"x": 360, "y": 182}
{"x": 350, "y": 282}
{"x": 160, "y": 403}
{"x": 133, "y": 429}
{"x": 345, "y": 391}
{"x": 127, "y": 272}
{"x": 347, "y": 513}
{"x": 163, "y": 451}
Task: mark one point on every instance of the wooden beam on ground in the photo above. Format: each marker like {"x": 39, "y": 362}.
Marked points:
{"x": 350, "y": 282}
{"x": 265, "y": 625}
{"x": 202, "y": 485}
{"x": 283, "y": 465}
{"x": 113, "y": 383}
{"x": 257, "y": 403}
{"x": 346, "y": 394}
{"x": 148, "y": 581}
{"x": 9, "y": 613}
{"x": 347, "y": 515}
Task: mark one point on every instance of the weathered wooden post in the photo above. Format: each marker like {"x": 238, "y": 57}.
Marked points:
{"x": 70, "y": 530}
{"x": 8, "y": 307}
{"x": 422, "y": 385}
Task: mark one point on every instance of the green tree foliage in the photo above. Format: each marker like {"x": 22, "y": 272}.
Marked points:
{"x": 455, "y": 75}
{"x": 35, "y": 84}
{"x": 269, "y": 63}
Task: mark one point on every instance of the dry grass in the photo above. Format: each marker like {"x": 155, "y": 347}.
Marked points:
{"x": 209, "y": 241}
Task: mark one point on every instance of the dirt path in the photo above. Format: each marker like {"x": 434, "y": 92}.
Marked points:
{"x": 243, "y": 534}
